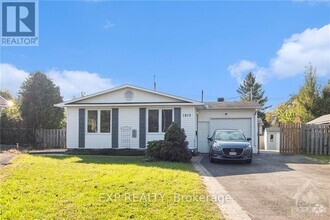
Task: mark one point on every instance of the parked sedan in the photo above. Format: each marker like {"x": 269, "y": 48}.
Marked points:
{"x": 230, "y": 145}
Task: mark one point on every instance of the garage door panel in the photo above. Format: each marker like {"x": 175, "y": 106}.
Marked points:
{"x": 243, "y": 124}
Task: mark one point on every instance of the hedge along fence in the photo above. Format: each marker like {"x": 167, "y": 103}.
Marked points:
{"x": 315, "y": 139}
{"x": 51, "y": 138}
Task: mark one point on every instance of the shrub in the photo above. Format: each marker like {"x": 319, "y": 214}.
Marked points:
{"x": 155, "y": 150}
{"x": 176, "y": 146}
{"x": 173, "y": 148}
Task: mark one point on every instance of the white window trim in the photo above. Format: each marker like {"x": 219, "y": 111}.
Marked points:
{"x": 159, "y": 120}
{"x": 98, "y": 122}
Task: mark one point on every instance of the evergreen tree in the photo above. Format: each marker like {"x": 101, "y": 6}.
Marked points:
{"x": 250, "y": 90}
{"x": 37, "y": 97}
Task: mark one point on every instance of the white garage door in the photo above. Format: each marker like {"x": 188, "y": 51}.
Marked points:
{"x": 244, "y": 124}
{"x": 203, "y": 132}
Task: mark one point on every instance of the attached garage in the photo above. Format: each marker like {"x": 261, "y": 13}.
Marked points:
{"x": 227, "y": 115}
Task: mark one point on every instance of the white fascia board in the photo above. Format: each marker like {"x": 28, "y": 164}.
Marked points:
{"x": 127, "y": 105}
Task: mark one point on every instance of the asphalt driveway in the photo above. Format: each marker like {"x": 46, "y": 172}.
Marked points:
{"x": 276, "y": 186}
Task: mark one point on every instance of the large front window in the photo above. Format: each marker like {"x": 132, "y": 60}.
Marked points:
{"x": 159, "y": 120}
{"x": 99, "y": 121}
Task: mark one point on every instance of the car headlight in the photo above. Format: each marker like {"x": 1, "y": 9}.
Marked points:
{"x": 216, "y": 147}
{"x": 249, "y": 147}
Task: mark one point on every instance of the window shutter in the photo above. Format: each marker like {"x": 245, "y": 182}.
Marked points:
{"x": 81, "y": 132}
{"x": 142, "y": 128}
{"x": 115, "y": 127}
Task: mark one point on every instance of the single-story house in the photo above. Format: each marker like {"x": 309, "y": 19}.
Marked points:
{"x": 322, "y": 120}
{"x": 129, "y": 116}
{"x": 272, "y": 138}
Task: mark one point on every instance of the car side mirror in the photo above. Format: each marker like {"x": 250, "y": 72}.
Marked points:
{"x": 209, "y": 138}
{"x": 248, "y": 139}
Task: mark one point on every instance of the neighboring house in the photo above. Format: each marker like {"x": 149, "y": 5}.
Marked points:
{"x": 272, "y": 138}
{"x": 128, "y": 117}
{"x": 323, "y": 120}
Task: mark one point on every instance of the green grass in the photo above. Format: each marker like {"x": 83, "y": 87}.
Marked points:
{"x": 321, "y": 158}
{"x": 84, "y": 187}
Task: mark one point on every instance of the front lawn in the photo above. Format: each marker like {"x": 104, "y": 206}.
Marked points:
{"x": 98, "y": 187}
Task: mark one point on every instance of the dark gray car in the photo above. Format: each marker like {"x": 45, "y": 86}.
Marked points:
{"x": 230, "y": 145}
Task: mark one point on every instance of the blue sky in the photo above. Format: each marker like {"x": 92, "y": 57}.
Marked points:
{"x": 87, "y": 46}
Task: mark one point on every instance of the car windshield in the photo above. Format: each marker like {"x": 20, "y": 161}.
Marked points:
{"x": 229, "y": 136}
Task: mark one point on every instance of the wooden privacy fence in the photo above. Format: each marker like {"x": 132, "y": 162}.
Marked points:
{"x": 315, "y": 139}
{"x": 51, "y": 138}
{"x": 305, "y": 138}
{"x": 290, "y": 138}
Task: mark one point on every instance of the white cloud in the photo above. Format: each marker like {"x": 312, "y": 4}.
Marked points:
{"x": 108, "y": 25}
{"x": 71, "y": 83}
{"x": 11, "y": 78}
{"x": 244, "y": 66}
{"x": 311, "y": 46}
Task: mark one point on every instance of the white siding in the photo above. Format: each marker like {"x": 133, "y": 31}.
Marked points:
{"x": 275, "y": 145}
{"x": 188, "y": 122}
{"x": 203, "y": 133}
{"x": 119, "y": 97}
{"x": 128, "y": 117}
{"x": 72, "y": 127}
{"x": 94, "y": 141}
{"x": 206, "y": 115}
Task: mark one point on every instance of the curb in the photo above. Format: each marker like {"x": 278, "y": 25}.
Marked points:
{"x": 228, "y": 207}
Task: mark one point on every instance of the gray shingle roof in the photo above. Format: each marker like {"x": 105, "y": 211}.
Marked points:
{"x": 273, "y": 129}
{"x": 324, "y": 119}
{"x": 231, "y": 105}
